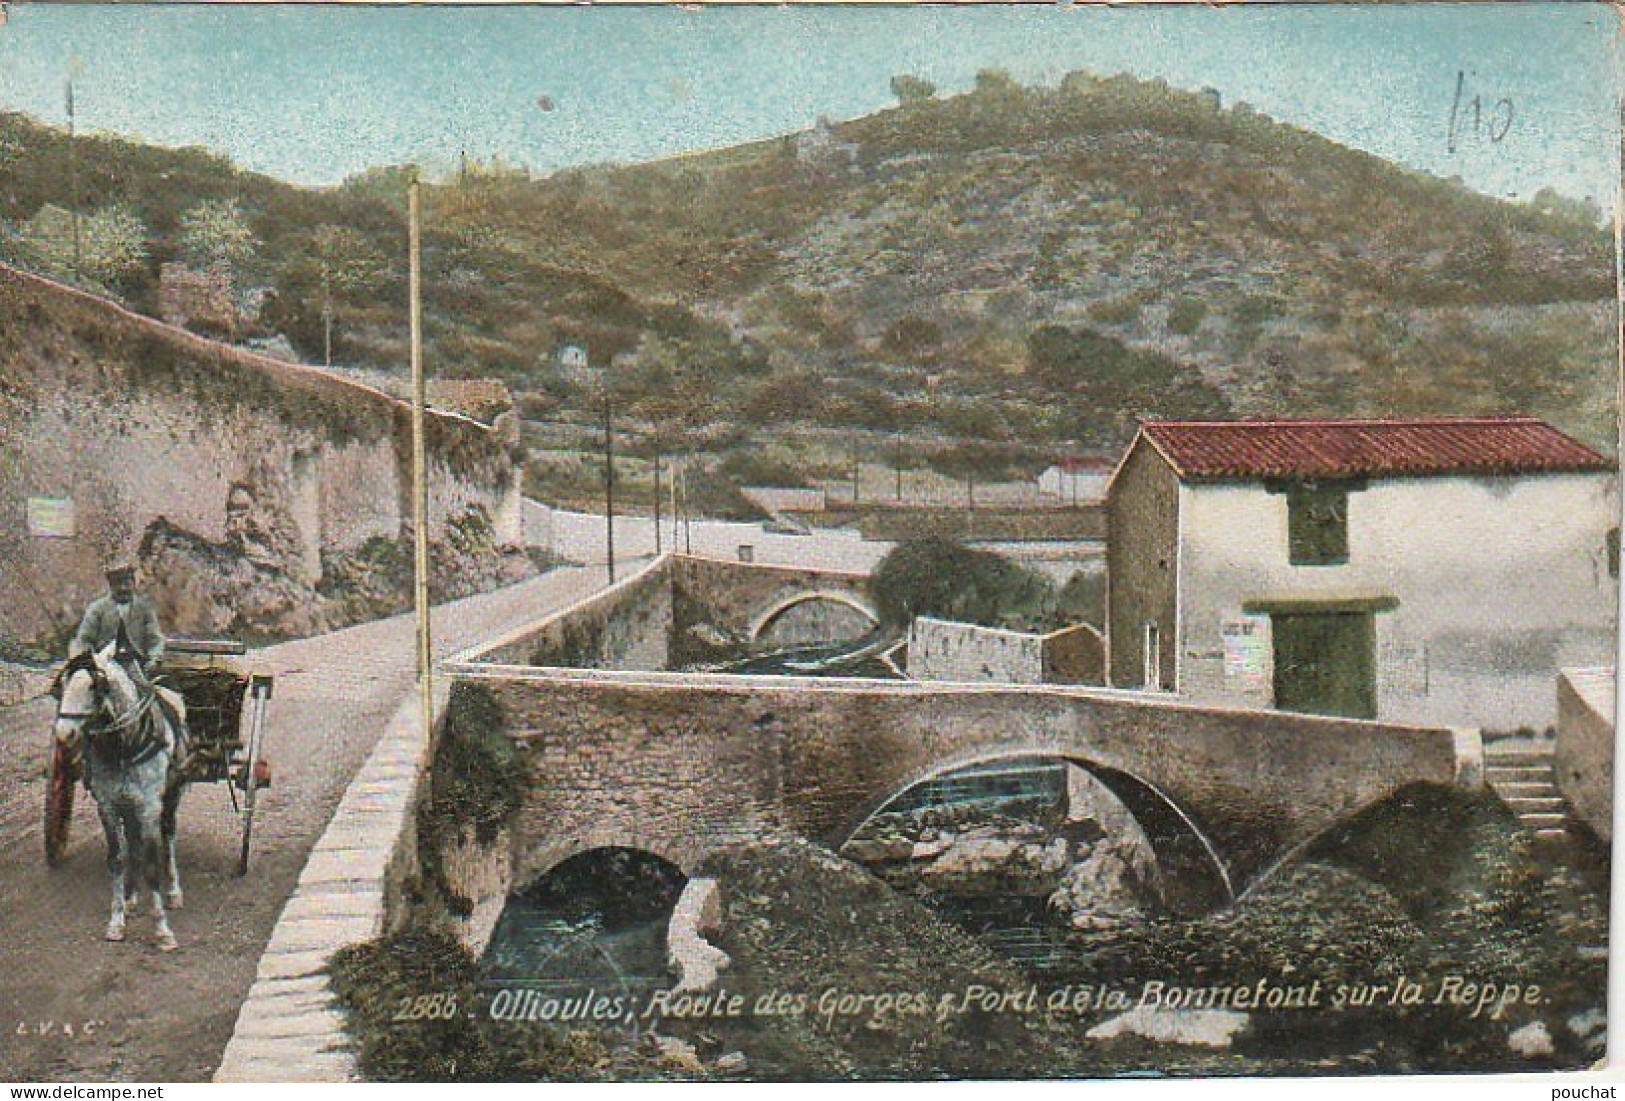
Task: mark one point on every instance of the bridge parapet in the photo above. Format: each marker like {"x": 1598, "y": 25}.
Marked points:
{"x": 625, "y": 626}
{"x": 646, "y": 620}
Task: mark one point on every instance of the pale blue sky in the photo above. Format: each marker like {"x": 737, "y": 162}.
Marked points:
{"x": 314, "y": 93}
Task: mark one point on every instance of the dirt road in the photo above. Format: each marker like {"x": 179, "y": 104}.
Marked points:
{"x": 74, "y": 1008}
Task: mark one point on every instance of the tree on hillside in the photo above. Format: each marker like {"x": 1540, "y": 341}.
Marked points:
{"x": 216, "y": 233}
{"x": 1115, "y": 378}
{"x": 1583, "y": 213}
{"x": 110, "y": 246}
{"x": 996, "y": 82}
{"x": 216, "y": 244}
{"x": 337, "y": 267}
{"x": 346, "y": 266}
{"x": 911, "y": 89}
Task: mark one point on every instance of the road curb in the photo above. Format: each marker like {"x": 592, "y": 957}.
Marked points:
{"x": 289, "y": 1029}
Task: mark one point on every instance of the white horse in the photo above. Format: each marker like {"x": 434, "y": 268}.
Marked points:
{"x": 132, "y": 756}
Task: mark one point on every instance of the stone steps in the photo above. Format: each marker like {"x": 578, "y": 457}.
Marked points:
{"x": 1516, "y": 773}
{"x": 1524, "y": 778}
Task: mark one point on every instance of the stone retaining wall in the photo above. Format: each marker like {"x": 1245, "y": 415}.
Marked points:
{"x": 1584, "y": 756}
{"x": 945, "y": 650}
{"x": 116, "y": 420}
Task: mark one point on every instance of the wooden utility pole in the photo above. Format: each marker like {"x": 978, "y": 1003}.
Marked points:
{"x": 688, "y": 515}
{"x": 73, "y": 175}
{"x": 420, "y": 466}
{"x": 897, "y": 461}
{"x": 609, "y": 485}
{"x": 852, "y": 444}
{"x": 657, "y": 501}
{"x": 673, "y": 491}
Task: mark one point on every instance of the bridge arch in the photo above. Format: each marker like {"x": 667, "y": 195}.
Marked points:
{"x": 1197, "y": 877}
{"x": 534, "y": 861}
{"x": 766, "y": 618}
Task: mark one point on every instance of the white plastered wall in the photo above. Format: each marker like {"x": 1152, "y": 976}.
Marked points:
{"x": 1499, "y": 582}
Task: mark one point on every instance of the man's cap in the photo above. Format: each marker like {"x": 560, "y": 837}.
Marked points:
{"x": 123, "y": 571}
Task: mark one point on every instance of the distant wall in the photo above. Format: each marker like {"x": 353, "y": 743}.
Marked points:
{"x": 1584, "y": 759}
{"x": 890, "y": 523}
{"x": 126, "y": 420}
{"x": 967, "y": 653}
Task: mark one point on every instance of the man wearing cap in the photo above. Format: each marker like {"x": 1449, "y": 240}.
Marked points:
{"x": 121, "y": 611}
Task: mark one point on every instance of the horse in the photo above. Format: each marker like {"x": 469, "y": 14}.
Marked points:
{"x": 132, "y": 755}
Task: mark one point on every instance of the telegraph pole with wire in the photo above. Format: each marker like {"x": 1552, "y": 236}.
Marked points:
{"x": 609, "y": 484}
{"x": 420, "y": 480}
{"x": 73, "y": 173}
{"x": 657, "y": 500}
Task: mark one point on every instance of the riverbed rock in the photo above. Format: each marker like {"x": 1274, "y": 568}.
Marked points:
{"x": 1212, "y": 1028}
{"x": 879, "y": 850}
{"x": 1532, "y": 1041}
{"x": 707, "y": 635}
{"x": 698, "y": 913}
{"x": 1103, "y": 890}
{"x": 1590, "y": 1028}
{"x": 983, "y": 861}
{"x": 678, "y": 1053}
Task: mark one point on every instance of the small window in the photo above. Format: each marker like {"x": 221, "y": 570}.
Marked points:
{"x": 1613, "y": 552}
{"x": 1317, "y": 524}
{"x": 1152, "y": 658}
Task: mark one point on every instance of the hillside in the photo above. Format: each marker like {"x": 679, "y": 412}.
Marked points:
{"x": 985, "y": 279}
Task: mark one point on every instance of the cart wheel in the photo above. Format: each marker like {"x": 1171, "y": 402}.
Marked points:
{"x": 59, "y": 804}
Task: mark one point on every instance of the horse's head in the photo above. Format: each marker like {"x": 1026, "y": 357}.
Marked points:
{"x": 92, "y": 690}
{"x": 79, "y": 693}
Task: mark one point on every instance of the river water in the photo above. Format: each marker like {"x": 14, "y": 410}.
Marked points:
{"x": 599, "y": 921}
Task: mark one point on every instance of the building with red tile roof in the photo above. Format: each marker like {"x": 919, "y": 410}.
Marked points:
{"x": 1436, "y": 570}
{"x": 1226, "y": 450}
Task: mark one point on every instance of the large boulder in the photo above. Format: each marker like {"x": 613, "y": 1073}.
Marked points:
{"x": 1106, "y": 888}
{"x": 988, "y": 860}
{"x": 212, "y": 590}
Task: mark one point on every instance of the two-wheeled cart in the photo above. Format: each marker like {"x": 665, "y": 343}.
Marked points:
{"x": 224, "y": 745}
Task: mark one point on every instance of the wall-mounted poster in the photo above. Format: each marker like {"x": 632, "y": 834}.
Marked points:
{"x": 51, "y": 517}
{"x": 819, "y": 541}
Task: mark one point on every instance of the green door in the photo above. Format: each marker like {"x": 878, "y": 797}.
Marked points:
{"x": 1325, "y": 663}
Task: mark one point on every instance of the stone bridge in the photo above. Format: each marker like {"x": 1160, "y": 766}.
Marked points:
{"x": 662, "y": 616}
{"x": 681, "y": 765}
{"x": 745, "y": 601}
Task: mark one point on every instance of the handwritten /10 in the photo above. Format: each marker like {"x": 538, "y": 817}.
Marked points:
{"x": 1469, "y": 120}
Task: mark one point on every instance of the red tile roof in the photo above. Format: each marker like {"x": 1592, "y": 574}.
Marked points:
{"x": 1367, "y": 448}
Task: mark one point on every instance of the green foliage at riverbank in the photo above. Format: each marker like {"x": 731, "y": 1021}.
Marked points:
{"x": 476, "y": 780}
{"x": 382, "y": 987}
{"x": 1428, "y": 885}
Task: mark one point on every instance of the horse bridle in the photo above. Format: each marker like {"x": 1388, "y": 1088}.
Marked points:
{"x": 119, "y": 725}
